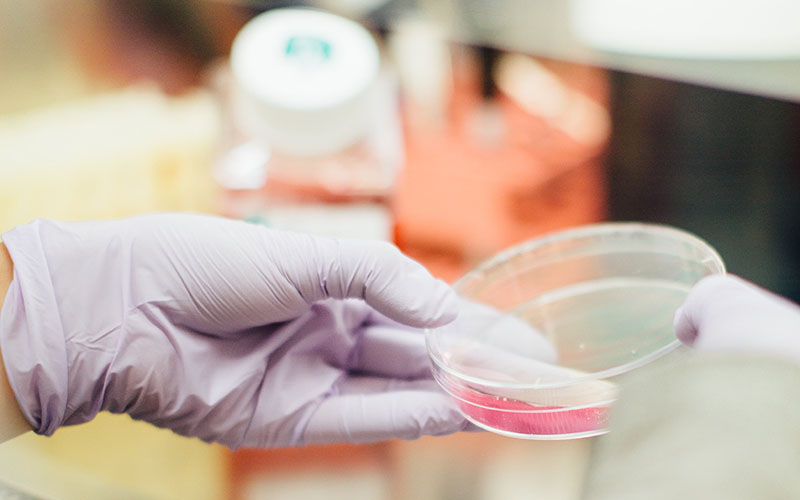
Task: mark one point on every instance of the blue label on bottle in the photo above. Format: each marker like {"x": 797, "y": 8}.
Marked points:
{"x": 308, "y": 50}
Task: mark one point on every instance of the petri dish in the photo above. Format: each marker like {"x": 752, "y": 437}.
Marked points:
{"x": 558, "y": 321}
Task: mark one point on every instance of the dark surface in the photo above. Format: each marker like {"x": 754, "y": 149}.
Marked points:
{"x": 723, "y": 165}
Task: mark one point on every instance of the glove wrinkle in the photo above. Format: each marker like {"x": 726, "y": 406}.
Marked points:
{"x": 353, "y": 359}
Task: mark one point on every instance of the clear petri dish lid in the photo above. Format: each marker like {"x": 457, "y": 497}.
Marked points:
{"x": 549, "y": 326}
{"x": 580, "y": 305}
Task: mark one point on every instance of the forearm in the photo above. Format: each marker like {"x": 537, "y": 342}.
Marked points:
{"x": 12, "y": 422}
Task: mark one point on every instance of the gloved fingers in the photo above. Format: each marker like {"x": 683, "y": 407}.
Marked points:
{"x": 717, "y": 289}
{"x": 370, "y": 409}
{"x": 511, "y": 333}
{"x": 234, "y": 275}
{"x": 684, "y": 326}
{"x": 374, "y": 271}
{"x": 710, "y": 293}
{"x": 498, "y": 330}
{"x": 391, "y": 351}
{"x": 388, "y": 348}
{"x": 513, "y": 372}
{"x": 726, "y": 310}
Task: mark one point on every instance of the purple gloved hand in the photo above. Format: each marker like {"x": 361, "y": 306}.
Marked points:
{"x": 222, "y": 330}
{"x": 727, "y": 313}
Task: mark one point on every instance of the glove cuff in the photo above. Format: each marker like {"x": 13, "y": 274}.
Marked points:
{"x": 31, "y": 334}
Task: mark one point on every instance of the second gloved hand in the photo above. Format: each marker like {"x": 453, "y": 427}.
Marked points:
{"x": 729, "y": 314}
{"x": 223, "y": 330}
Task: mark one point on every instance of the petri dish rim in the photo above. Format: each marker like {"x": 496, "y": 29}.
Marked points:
{"x": 588, "y": 231}
{"x": 550, "y": 239}
{"x": 538, "y": 437}
{"x": 548, "y": 411}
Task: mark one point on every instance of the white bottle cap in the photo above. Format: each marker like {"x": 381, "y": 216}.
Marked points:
{"x": 305, "y": 79}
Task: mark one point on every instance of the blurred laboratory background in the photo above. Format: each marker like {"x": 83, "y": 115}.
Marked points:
{"x": 453, "y": 128}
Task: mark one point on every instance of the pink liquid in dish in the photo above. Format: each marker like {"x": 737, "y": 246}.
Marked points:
{"x": 510, "y": 415}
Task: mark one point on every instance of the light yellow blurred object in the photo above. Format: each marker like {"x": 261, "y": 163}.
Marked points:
{"x": 114, "y": 457}
{"x": 114, "y": 155}
{"x": 540, "y": 92}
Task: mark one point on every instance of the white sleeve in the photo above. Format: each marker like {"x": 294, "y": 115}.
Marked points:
{"x": 705, "y": 428}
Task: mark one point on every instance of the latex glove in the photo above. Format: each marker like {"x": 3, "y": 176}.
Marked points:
{"x": 222, "y": 330}
{"x": 727, "y": 313}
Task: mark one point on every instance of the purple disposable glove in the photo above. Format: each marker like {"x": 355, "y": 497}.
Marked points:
{"x": 726, "y": 313}
{"x": 223, "y": 330}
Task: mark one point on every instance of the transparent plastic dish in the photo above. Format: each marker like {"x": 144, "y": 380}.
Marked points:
{"x": 560, "y": 320}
